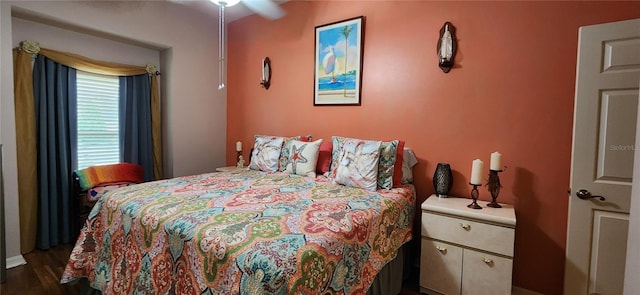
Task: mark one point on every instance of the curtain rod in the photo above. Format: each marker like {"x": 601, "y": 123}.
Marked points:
{"x": 85, "y": 63}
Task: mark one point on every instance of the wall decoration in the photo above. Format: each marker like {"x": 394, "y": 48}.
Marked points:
{"x": 265, "y": 81}
{"x": 447, "y": 47}
{"x": 338, "y": 62}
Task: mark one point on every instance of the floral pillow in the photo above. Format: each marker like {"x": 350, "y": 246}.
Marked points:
{"x": 303, "y": 157}
{"x": 337, "y": 142}
{"x": 357, "y": 164}
{"x": 388, "y": 154}
{"x": 286, "y": 146}
{"x": 266, "y": 153}
{"x": 386, "y": 168}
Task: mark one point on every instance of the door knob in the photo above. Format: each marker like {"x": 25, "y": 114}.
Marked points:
{"x": 585, "y": 194}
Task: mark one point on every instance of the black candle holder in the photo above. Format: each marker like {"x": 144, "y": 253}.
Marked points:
{"x": 474, "y": 196}
{"x": 442, "y": 179}
{"x": 494, "y": 188}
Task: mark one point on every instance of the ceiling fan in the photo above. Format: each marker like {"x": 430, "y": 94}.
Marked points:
{"x": 266, "y": 8}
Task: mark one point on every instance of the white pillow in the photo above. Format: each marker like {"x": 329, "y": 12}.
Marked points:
{"x": 408, "y": 161}
{"x": 303, "y": 157}
{"x": 358, "y": 164}
{"x": 266, "y": 153}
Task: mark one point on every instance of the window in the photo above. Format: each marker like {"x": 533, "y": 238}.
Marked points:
{"x": 98, "y": 141}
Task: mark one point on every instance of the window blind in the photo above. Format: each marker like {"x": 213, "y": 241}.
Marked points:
{"x": 98, "y": 140}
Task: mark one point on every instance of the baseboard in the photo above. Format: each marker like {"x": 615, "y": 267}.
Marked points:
{"x": 522, "y": 291}
{"x": 15, "y": 261}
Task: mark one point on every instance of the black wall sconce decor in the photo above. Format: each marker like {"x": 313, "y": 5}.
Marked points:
{"x": 266, "y": 73}
{"x": 447, "y": 46}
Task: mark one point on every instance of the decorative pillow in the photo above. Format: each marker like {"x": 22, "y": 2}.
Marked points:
{"x": 266, "y": 153}
{"x": 384, "y": 180}
{"x": 303, "y": 157}
{"x": 358, "y": 164}
{"x": 324, "y": 157}
{"x": 388, "y": 154}
{"x": 408, "y": 161}
{"x": 286, "y": 148}
{"x": 397, "y": 168}
{"x": 336, "y": 142}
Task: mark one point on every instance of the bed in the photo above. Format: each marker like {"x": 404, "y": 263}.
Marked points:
{"x": 242, "y": 232}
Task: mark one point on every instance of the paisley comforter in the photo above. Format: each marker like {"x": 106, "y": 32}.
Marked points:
{"x": 240, "y": 232}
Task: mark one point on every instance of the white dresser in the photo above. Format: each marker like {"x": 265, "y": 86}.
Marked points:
{"x": 466, "y": 251}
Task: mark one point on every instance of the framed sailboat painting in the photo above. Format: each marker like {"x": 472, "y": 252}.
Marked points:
{"x": 338, "y": 62}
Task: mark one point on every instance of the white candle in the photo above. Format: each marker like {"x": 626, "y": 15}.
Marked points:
{"x": 238, "y": 146}
{"x": 496, "y": 161}
{"x": 445, "y": 42}
{"x": 262, "y": 69}
{"x": 476, "y": 172}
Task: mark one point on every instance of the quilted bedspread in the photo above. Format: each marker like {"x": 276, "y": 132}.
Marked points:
{"x": 241, "y": 232}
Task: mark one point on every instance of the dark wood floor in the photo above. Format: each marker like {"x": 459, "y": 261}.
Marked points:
{"x": 41, "y": 275}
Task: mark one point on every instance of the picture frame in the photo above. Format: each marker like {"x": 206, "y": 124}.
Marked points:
{"x": 338, "y": 62}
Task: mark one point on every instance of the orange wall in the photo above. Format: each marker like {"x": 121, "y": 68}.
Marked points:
{"x": 512, "y": 91}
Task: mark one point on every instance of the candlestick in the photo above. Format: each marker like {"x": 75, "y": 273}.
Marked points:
{"x": 239, "y": 146}
{"x": 496, "y": 161}
{"x": 476, "y": 172}
{"x": 494, "y": 187}
{"x": 474, "y": 196}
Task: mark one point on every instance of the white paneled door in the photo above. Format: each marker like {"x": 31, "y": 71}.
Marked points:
{"x": 606, "y": 109}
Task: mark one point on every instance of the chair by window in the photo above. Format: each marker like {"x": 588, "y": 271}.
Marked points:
{"x": 91, "y": 183}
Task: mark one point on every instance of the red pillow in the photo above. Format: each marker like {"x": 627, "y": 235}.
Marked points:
{"x": 324, "y": 158}
{"x": 397, "y": 167}
{"x": 306, "y": 138}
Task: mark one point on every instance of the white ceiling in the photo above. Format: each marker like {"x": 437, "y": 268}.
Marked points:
{"x": 232, "y": 13}
{"x": 205, "y": 7}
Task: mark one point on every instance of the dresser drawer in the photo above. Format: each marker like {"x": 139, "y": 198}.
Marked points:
{"x": 485, "y": 274}
{"x": 488, "y": 237}
{"x": 440, "y": 267}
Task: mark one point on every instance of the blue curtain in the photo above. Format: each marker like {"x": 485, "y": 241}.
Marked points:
{"x": 135, "y": 122}
{"x": 55, "y": 98}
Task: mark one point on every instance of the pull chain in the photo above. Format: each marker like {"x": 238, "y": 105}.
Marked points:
{"x": 221, "y": 46}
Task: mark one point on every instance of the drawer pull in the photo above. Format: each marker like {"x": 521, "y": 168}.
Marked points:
{"x": 465, "y": 226}
{"x": 442, "y": 250}
{"x": 488, "y": 261}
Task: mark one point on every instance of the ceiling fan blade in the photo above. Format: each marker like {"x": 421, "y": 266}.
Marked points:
{"x": 266, "y": 8}
{"x": 181, "y": 1}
